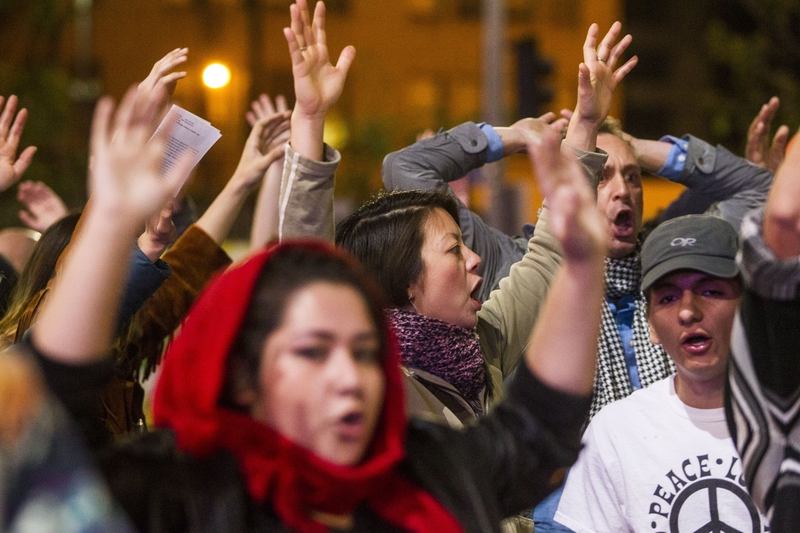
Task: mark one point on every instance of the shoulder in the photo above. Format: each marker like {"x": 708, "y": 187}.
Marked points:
{"x": 623, "y": 415}
{"x": 154, "y": 482}
{"x": 431, "y": 398}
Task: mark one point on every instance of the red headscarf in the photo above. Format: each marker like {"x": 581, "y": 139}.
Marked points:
{"x": 292, "y": 479}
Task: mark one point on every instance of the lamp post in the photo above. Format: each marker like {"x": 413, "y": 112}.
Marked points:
{"x": 493, "y": 36}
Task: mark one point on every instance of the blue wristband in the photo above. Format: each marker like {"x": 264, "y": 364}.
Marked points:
{"x": 676, "y": 160}
{"x": 495, "y": 148}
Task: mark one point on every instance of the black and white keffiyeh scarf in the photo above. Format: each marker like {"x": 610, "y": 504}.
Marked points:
{"x": 611, "y": 381}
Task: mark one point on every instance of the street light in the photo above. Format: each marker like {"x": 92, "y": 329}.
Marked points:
{"x": 216, "y": 75}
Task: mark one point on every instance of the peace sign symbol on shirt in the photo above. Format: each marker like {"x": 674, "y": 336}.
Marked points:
{"x": 714, "y": 505}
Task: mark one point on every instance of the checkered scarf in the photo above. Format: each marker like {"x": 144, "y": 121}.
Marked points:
{"x": 611, "y": 381}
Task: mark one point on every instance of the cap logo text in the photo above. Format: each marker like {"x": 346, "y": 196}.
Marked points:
{"x": 683, "y": 241}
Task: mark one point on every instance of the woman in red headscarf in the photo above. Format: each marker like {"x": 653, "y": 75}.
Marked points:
{"x": 280, "y": 403}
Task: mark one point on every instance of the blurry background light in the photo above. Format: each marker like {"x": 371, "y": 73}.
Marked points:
{"x": 216, "y": 76}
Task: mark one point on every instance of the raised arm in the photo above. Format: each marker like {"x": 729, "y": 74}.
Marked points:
{"x": 598, "y": 77}
{"x": 221, "y": 214}
{"x": 306, "y": 196}
{"x": 518, "y": 452}
{"x": 12, "y": 123}
{"x": 431, "y": 163}
{"x": 318, "y": 84}
{"x": 758, "y": 149}
{"x": 764, "y": 374}
{"x": 78, "y": 319}
{"x": 563, "y": 345}
{"x": 717, "y": 180}
{"x": 265, "y": 216}
{"x": 163, "y": 79}
{"x": 435, "y": 160}
{"x": 41, "y": 206}
{"x": 197, "y": 254}
{"x": 513, "y": 309}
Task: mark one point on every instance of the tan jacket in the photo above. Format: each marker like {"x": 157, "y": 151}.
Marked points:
{"x": 506, "y": 319}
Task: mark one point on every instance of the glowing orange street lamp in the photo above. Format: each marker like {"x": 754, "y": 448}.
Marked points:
{"x": 216, "y": 75}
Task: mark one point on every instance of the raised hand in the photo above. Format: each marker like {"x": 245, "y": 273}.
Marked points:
{"x": 782, "y": 211}
{"x": 162, "y": 80}
{"x": 126, "y": 187}
{"x": 758, "y": 149}
{"x": 562, "y": 349}
{"x": 162, "y": 72}
{"x": 598, "y": 75}
{"x": 264, "y": 227}
{"x": 264, "y": 108}
{"x": 261, "y": 149}
{"x": 517, "y": 136}
{"x": 317, "y": 83}
{"x": 575, "y": 219}
{"x": 12, "y": 123}
{"x": 41, "y": 205}
{"x": 126, "y": 173}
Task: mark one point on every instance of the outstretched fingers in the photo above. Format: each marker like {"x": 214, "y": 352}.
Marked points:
{"x": 268, "y": 127}
{"x": 346, "y": 58}
{"x": 769, "y": 110}
{"x": 172, "y": 77}
{"x": 625, "y": 69}
{"x": 604, "y": 48}
{"x": 171, "y": 60}
{"x": 294, "y": 45}
{"x": 779, "y": 142}
{"x": 590, "y": 44}
{"x": 7, "y": 116}
{"x": 24, "y": 160}
{"x": 266, "y": 104}
{"x": 305, "y": 17}
{"x": 584, "y": 80}
{"x": 548, "y": 117}
{"x": 14, "y": 135}
{"x": 296, "y": 24}
{"x": 281, "y": 104}
{"x": 318, "y": 26}
{"x": 618, "y": 50}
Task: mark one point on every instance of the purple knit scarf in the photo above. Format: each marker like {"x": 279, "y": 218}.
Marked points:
{"x": 450, "y": 352}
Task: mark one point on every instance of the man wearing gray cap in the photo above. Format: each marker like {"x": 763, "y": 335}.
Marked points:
{"x": 662, "y": 459}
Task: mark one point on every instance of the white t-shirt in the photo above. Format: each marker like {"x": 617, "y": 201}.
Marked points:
{"x": 650, "y": 463}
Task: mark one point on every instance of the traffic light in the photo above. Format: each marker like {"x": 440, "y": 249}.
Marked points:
{"x": 534, "y": 92}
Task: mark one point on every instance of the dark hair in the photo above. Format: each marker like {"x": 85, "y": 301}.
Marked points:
{"x": 37, "y": 272}
{"x": 386, "y": 235}
{"x": 288, "y": 271}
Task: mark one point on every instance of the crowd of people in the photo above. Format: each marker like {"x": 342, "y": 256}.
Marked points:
{"x": 409, "y": 368}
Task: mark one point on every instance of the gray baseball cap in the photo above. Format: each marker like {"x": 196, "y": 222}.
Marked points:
{"x": 694, "y": 242}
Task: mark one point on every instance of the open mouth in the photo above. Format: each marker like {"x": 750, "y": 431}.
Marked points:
{"x": 351, "y": 426}
{"x": 697, "y": 343}
{"x": 623, "y": 223}
{"x": 474, "y": 294}
{"x": 352, "y": 418}
{"x": 476, "y": 288}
